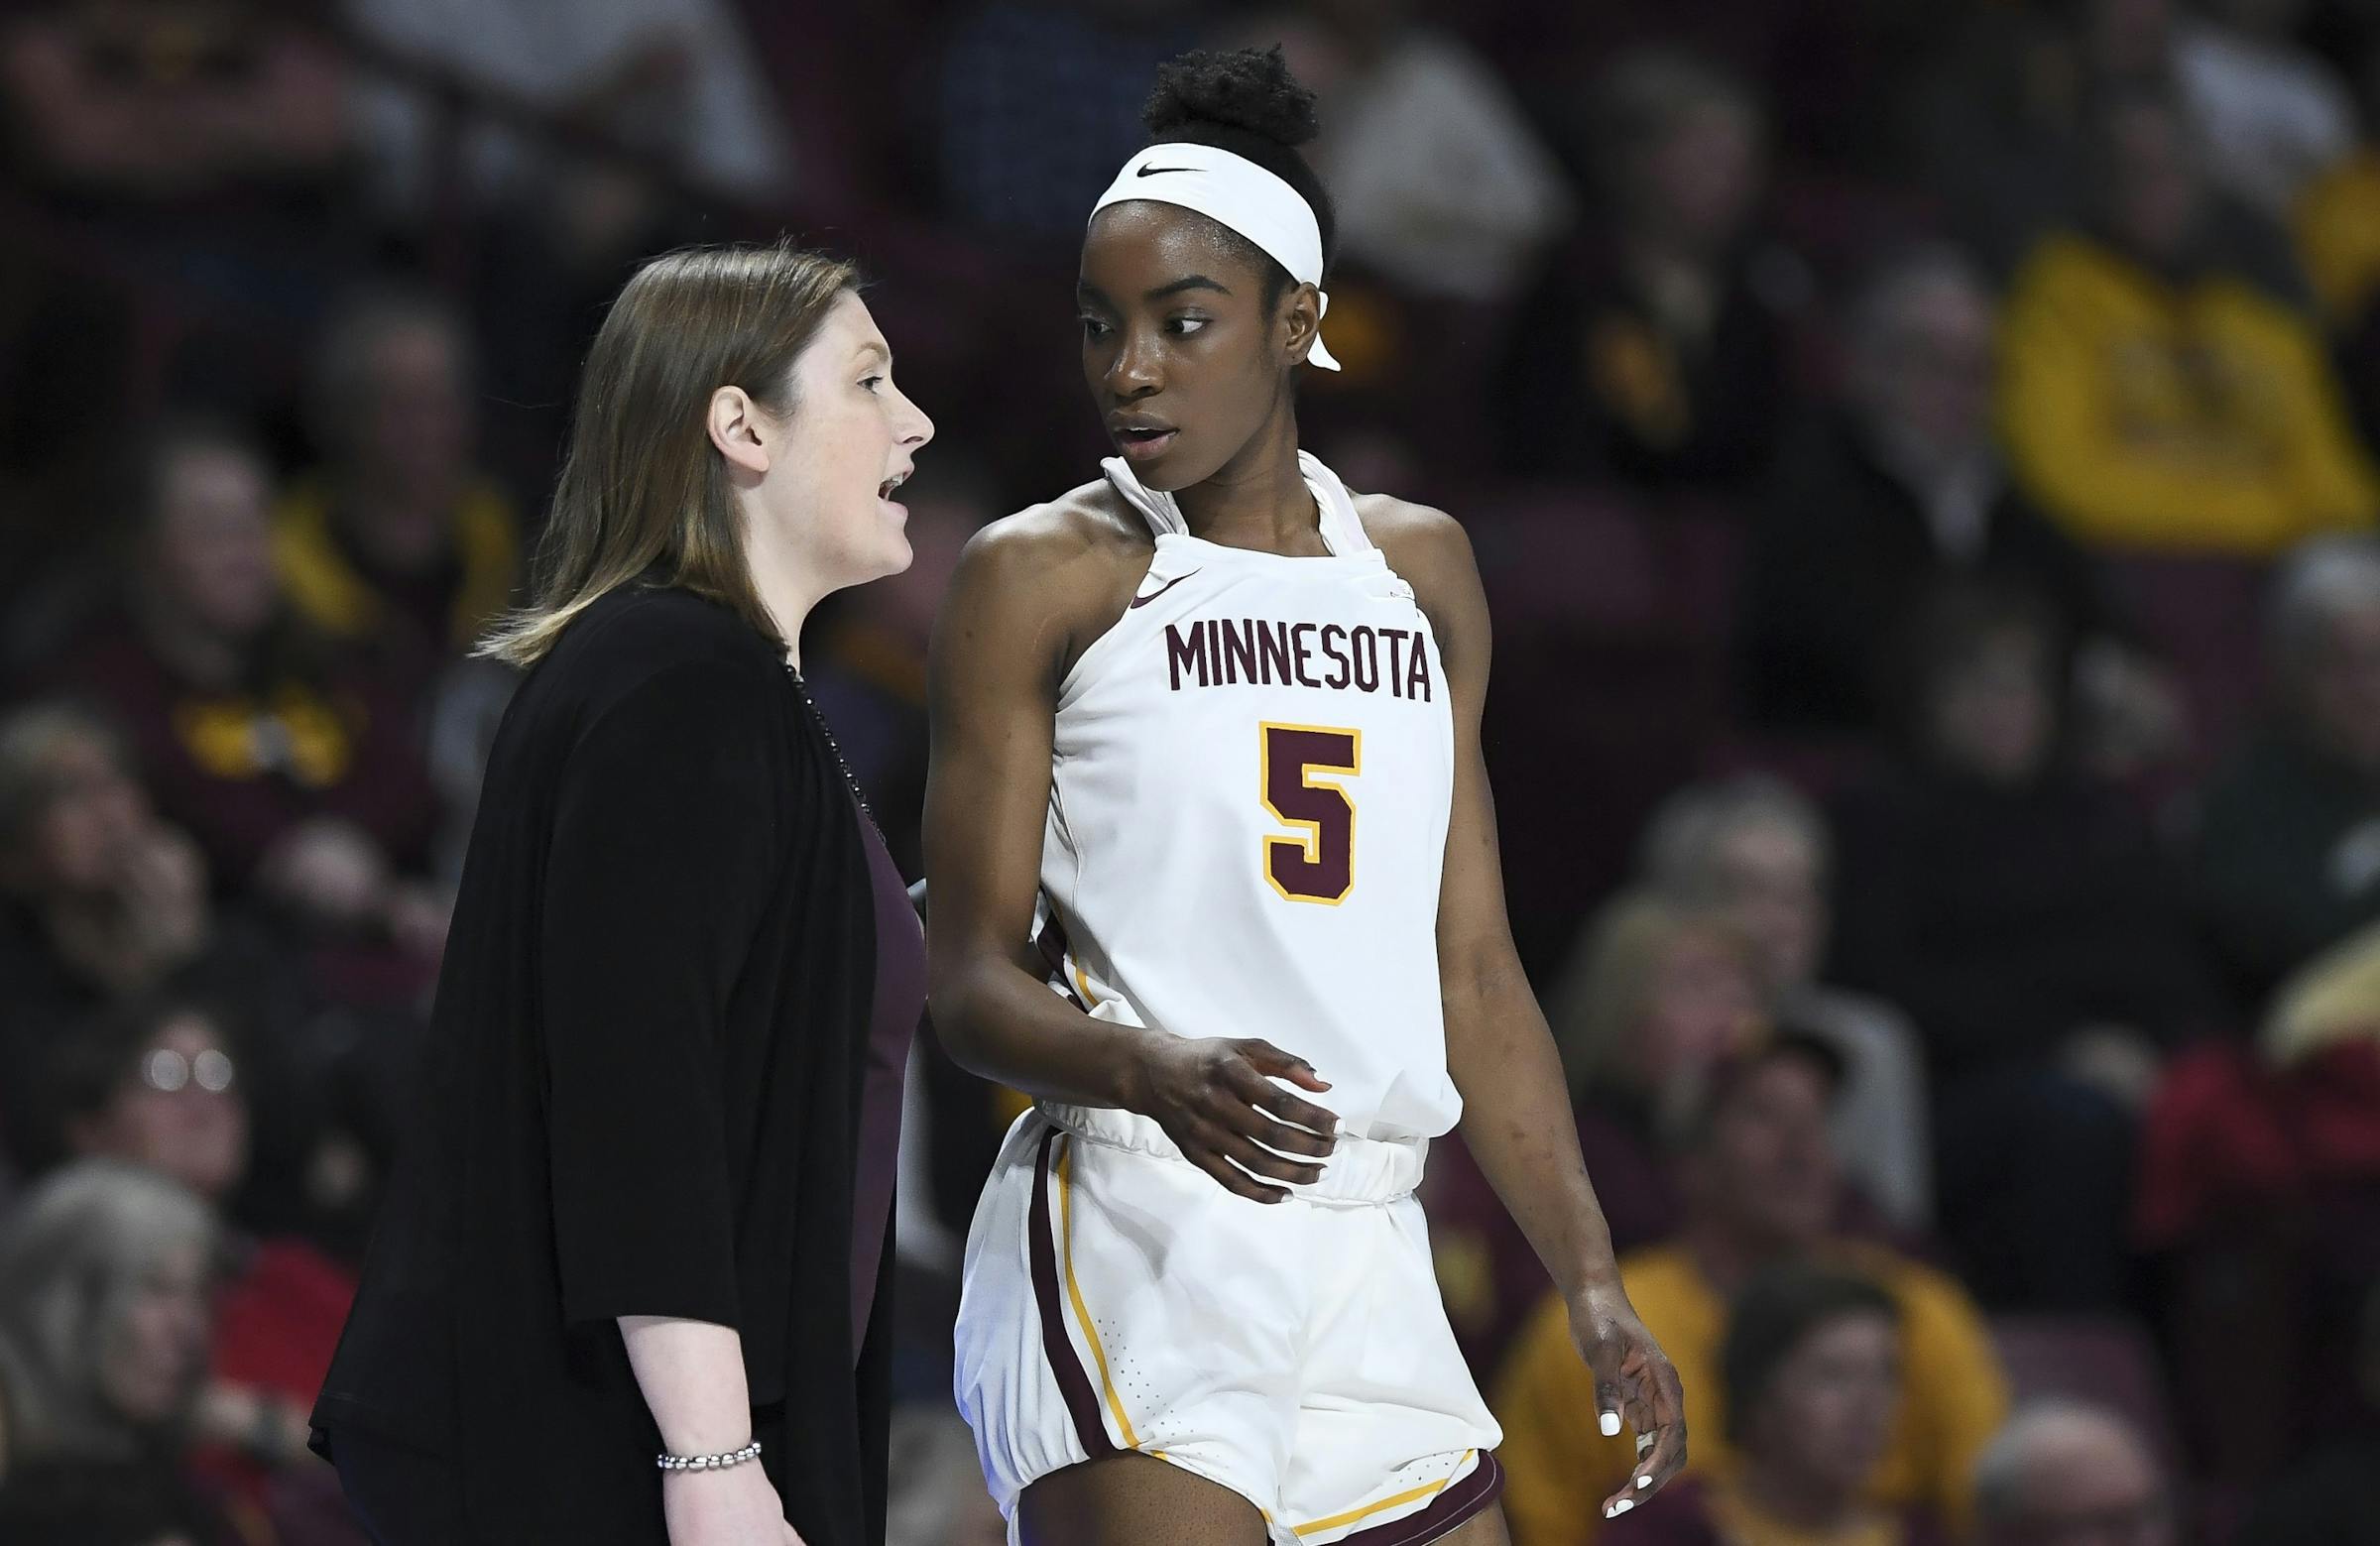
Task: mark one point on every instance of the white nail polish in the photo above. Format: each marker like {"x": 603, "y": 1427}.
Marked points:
{"x": 1644, "y": 1481}
{"x": 1623, "y": 1506}
{"x": 1610, "y": 1425}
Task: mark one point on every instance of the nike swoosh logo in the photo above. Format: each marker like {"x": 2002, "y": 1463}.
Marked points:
{"x": 1142, "y": 601}
{"x": 1150, "y": 171}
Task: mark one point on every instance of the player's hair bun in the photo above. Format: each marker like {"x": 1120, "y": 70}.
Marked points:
{"x": 1248, "y": 89}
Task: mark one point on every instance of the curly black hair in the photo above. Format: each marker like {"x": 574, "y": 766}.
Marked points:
{"x": 1246, "y": 102}
{"x": 1247, "y": 88}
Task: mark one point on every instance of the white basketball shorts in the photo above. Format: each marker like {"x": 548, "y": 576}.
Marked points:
{"x": 1117, "y": 1298}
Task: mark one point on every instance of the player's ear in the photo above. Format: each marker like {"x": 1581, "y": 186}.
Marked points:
{"x": 1298, "y": 322}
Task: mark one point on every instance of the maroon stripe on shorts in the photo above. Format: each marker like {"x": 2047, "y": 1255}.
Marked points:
{"x": 1448, "y": 1509}
{"x": 1082, "y": 1403}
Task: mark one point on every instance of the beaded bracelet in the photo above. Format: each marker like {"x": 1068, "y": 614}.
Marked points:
{"x": 749, "y": 1451}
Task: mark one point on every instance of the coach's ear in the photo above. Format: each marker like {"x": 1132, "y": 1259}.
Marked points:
{"x": 736, "y": 429}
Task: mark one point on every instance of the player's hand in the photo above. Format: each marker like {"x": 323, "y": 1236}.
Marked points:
{"x": 1634, "y": 1387}
{"x": 1215, "y": 1099}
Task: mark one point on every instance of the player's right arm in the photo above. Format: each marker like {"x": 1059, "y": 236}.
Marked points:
{"x": 1020, "y": 606}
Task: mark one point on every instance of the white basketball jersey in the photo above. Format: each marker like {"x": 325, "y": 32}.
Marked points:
{"x": 1247, "y": 812}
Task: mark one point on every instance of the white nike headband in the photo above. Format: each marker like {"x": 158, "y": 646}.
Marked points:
{"x": 1240, "y": 194}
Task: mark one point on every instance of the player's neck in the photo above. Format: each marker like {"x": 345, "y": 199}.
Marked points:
{"x": 1258, "y": 499}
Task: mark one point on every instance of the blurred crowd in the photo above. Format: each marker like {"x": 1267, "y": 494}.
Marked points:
{"x": 1924, "y": 462}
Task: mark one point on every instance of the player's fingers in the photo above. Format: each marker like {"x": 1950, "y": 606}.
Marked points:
{"x": 1231, "y": 1177}
{"x": 1231, "y": 1114}
{"x": 1262, "y": 1092}
{"x": 1661, "y": 1402}
{"x": 1641, "y": 1422}
{"x": 1667, "y": 1393}
{"x": 1266, "y": 1059}
{"x": 1629, "y": 1496}
{"x": 1259, "y": 1126}
{"x": 1261, "y": 1162}
{"x": 1651, "y": 1380}
{"x": 1234, "y": 1179}
{"x": 1659, "y": 1463}
{"x": 1248, "y": 1109}
{"x": 1609, "y": 1416}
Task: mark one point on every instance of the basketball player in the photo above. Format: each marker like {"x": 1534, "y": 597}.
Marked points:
{"x": 1206, "y": 731}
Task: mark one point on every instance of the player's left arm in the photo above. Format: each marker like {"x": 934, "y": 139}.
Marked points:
{"x": 1517, "y": 1120}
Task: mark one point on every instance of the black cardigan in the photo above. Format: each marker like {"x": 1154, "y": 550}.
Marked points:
{"x": 640, "y": 1097}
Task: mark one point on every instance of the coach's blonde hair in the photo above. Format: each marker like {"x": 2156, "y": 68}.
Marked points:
{"x": 643, "y": 485}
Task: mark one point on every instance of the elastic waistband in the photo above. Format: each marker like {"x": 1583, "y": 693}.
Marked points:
{"x": 1360, "y": 1170}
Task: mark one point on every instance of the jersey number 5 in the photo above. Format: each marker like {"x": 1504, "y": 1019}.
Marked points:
{"x": 1318, "y": 865}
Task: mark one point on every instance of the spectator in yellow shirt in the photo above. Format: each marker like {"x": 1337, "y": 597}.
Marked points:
{"x": 398, "y": 544}
{"x": 1760, "y": 1183}
{"x": 2152, "y": 397}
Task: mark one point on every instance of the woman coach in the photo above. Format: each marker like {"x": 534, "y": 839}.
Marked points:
{"x": 624, "y": 1283}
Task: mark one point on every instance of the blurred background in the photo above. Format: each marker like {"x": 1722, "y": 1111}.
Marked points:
{"x": 1922, "y": 462}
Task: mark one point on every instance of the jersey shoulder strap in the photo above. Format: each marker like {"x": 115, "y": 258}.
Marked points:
{"x": 1157, "y": 509}
{"x": 1342, "y": 529}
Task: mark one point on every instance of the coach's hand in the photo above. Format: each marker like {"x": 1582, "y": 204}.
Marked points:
{"x": 738, "y": 1507}
{"x": 1634, "y": 1386}
{"x": 1217, "y": 1100}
